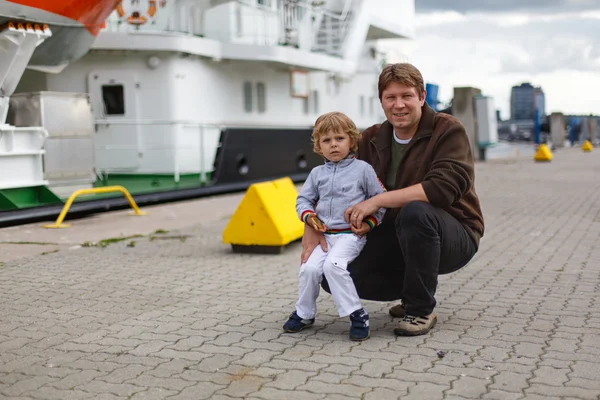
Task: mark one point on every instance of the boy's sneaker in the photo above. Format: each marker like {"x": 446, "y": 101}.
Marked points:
{"x": 414, "y": 326}
{"x": 296, "y": 324}
{"x": 359, "y": 327}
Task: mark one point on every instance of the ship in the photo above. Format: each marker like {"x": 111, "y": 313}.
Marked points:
{"x": 175, "y": 99}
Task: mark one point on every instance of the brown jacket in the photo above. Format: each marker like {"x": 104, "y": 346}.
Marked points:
{"x": 439, "y": 157}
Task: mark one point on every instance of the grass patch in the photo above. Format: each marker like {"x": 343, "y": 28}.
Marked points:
{"x": 49, "y": 252}
{"x": 39, "y": 243}
{"x": 181, "y": 238}
{"x": 106, "y": 242}
{"x": 159, "y": 234}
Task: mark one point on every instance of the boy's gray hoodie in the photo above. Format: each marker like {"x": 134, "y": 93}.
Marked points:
{"x": 336, "y": 186}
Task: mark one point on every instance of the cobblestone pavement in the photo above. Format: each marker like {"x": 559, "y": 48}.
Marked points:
{"x": 178, "y": 316}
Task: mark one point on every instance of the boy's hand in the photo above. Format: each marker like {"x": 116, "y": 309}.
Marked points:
{"x": 316, "y": 223}
{"x": 364, "y": 228}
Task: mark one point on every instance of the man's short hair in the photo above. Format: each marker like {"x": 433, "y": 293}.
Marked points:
{"x": 404, "y": 73}
{"x": 336, "y": 122}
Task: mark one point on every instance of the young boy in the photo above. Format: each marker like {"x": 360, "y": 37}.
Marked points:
{"x": 333, "y": 187}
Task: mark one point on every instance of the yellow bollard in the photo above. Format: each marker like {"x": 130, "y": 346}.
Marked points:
{"x": 587, "y": 146}
{"x": 265, "y": 220}
{"x": 543, "y": 153}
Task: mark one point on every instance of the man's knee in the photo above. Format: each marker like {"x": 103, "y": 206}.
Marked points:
{"x": 415, "y": 214}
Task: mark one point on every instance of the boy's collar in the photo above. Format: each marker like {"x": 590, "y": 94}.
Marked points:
{"x": 344, "y": 161}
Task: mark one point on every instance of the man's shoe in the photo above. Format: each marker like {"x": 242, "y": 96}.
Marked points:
{"x": 296, "y": 324}
{"x": 414, "y": 326}
{"x": 359, "y": 325}
{"x": 398, "y": 311}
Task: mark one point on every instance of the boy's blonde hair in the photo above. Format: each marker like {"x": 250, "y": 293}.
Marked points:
{"x": 336, "y": 122}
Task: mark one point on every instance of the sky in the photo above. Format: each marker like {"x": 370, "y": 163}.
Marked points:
{"x": 496, "y": 44}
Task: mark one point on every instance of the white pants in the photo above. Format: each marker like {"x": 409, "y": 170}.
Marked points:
{"x": 341, "y": 250}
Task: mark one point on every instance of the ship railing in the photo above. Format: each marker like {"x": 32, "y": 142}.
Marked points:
{"x": 277, "y": 23}
{"x": 148, "y": 146}
{"x": 289, "y": 22}
{"x": 332, "y": 30}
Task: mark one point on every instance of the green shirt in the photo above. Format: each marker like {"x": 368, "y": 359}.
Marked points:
{"x": 397, "y": 153}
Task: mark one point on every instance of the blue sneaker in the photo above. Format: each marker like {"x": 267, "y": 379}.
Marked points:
{"x": 359, "y": 328}
{"x": 296, "y": 324}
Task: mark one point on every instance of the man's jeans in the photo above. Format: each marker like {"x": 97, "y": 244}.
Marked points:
{"x": 402, "y": 260}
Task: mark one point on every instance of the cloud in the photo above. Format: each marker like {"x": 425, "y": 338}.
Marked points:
{"x": 543, "y": 6}
{"x": 494, "y": 51}
{"x": 540, "y": 45}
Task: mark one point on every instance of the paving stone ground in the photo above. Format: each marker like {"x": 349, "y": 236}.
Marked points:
{"x": 178, "y": 316}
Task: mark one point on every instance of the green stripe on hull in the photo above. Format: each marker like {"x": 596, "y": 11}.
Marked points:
{"x": 137, "y": 184}
{"x": 18, "y": 198}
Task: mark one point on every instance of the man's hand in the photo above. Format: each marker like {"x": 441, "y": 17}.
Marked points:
{"x": 364, "y": 228}
{"x": 316, "y": 223}
{"x": 355, "y": 214}
{"x": 310, "y": 240}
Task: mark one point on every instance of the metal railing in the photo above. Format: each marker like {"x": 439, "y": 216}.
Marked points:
{"x": 328, "y": 29}
{"x": 332, "y": 31}
{"x": 100, "y": 190}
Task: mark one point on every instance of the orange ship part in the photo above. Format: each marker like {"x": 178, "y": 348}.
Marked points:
{"x": 119, "y": 9}
{"x": 90, "y": 13}
{"x": 152, "y": 8}
{"x": 136, "y": 19}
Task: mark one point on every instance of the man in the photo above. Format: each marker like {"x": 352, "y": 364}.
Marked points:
{"x": 434, "y": 220}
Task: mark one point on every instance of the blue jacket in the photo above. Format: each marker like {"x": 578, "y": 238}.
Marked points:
{"x": 334, "y": 187}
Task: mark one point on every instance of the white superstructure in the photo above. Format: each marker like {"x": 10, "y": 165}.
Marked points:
{"x": 167, "y": 77}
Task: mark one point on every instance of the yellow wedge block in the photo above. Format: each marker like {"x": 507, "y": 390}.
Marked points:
{"x": 266, "y": 219}
{"x": 543, "y": 153}
{"x": 587, "y": 146}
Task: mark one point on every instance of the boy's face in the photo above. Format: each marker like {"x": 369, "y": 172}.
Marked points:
{"x": 335, "y": 146}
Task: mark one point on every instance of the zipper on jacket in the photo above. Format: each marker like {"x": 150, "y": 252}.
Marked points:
{"x": 378, "y": 154}
{"x": 332, "y": 186}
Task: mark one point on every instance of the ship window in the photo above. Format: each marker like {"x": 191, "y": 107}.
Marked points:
{"x": 305, "y": 105}
{"x": 261, "y": 96}
{"x": 372, "y": 106}
{"x": 248, "y": 97}
{"x": 113, "y": 97}
{"x": 315, "y": 101}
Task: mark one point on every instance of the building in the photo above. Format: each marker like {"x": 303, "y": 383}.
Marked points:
{"x": 524, "y": 100}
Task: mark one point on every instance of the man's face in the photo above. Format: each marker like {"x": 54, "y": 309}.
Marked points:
{"x": 402, "y": 106}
